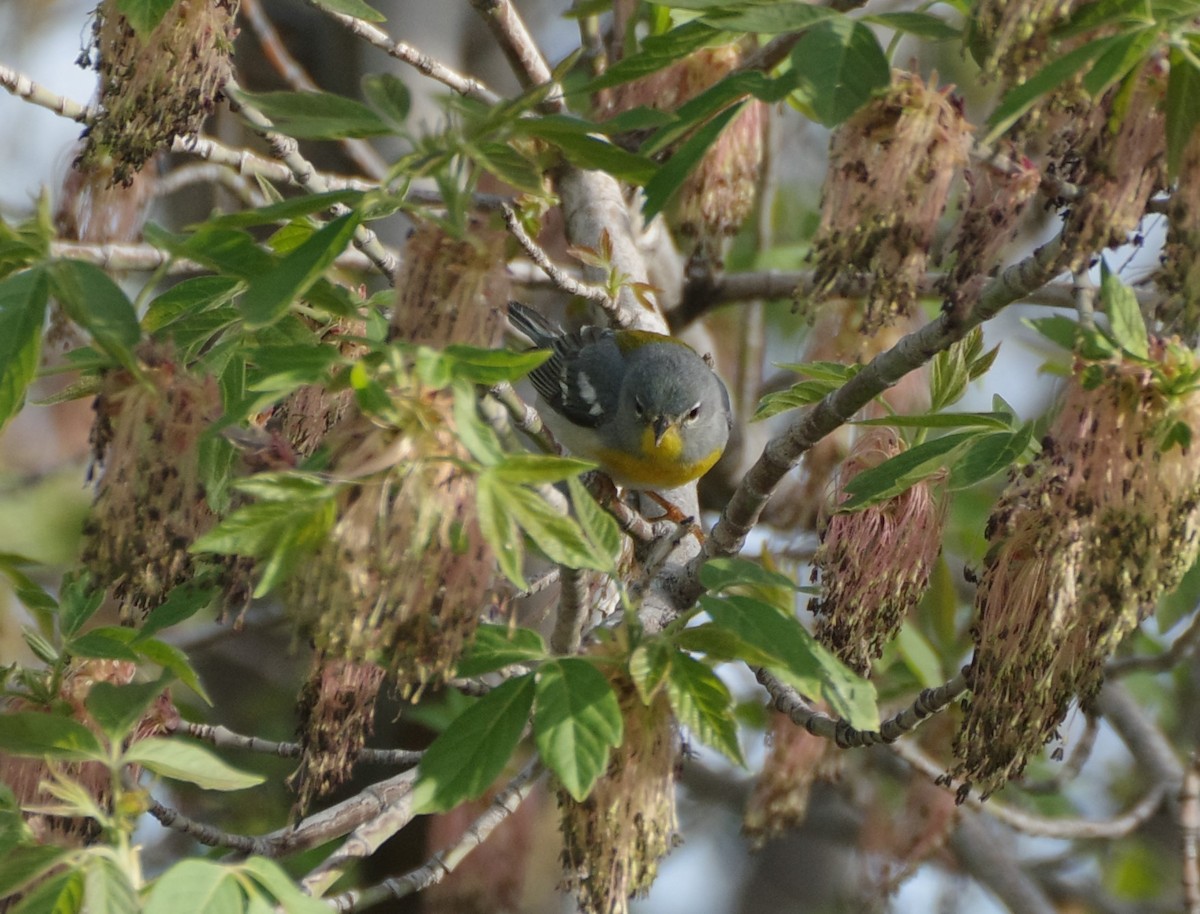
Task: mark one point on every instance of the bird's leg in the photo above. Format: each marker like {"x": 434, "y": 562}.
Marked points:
{"x": 674, "y": 515}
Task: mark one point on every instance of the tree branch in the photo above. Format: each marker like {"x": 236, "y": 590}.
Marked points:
{"x": 287, "y": 150}
{"x": 406, "y": 53}
{"x": 790, "y": 702}
{"x": 276, "y": 52}
{"x": 224, "y": 738}
{"x": 566, "y": 283}
{"x": 785, "y": 450}
{"x": 1042, "y": 826}
{"x": 1189, "y": 827}
{"x": 444, "y": 862}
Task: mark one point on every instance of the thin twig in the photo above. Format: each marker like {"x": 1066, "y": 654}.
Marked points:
{"x": 569, "y": 284}
{"x": 26, "y": 89}
{"x": 525, "y": 417}
{"x": 1181, "y": 648}
{"x": 208, "y": 173}
{"x": 277, "y": 54}
{"x": 790, "y": 702}
{"x": 147, "y": 258}
{"x": 445, "y": 862}
{"x": 1070, "y": 769}
{"x": 406, "y": 53}
{"x": 224, "y": 738}
{"x": 702, "y": 296}
{"x": 287, "y": 150}
{"x": 1042, "y": 826}
{"x": 208, "y": 835}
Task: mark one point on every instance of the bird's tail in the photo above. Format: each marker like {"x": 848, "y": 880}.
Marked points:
{"x": 529, "y": 322}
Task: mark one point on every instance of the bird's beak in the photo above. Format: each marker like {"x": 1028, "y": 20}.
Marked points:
{"x": 661, "y": 424}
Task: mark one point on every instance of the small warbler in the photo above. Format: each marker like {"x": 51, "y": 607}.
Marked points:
{"x": 642, "y": 405}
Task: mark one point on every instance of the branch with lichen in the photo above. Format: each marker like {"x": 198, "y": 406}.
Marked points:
{"x": 445, "y": 862}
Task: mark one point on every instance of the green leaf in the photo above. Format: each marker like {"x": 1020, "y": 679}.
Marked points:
{"x": 30, "y": 733}
{"x": 183, "y": 761}
{"x": 471, "y": 753}
{"x": 284, "y": 368}
{"x": 704, "y": 705}
{"x": 189, "y": 298}
{"x": 356, "y": 8}
{"x": 106, "y": 887}
{"x": 988, "y": 455}
{"x": 21, "y": 865}
{"x": 720, "y": 574}
{"x": 479, "y": 438}
{"x": 173, "y": 660}
{"x": 771, "y": 19}
{"x": 920, "y": 657}
{"x": 195, "y": 887}
{"x": 271, "y": 876}
{"x": 77, "y": 605}
{"x": 504, "y": 162}
{"x": 499, "y": 529}
{"x": 719, "y": 643}
{"x": 902, "y": 472}
{"x": 99, "y": 306}
{"x": 269, "y": 295}
{"x": 557, "y": 536}
{"x": 23, "y": 298}
{"x": 117, "y": 708}
{"x": 1127, "y": 52}
{"x": 225, "y": 250}
{"x": 1090, "y": 16}
{"x": 109, "y": 642}
{"x": 799, "y": 658}
{"x": 287, "y": 210}
{"x": 1182, "y": 107}
{"x": 1018, "y": 100}
{"x": 281, "y": 532}
{"x": 598, "y": 526}
{"x": 576, "y": 721}
{"x": 648, "y": 666}
{"x": 582, "y": 149}
{"x": 840, "y": 65}
{"x": 657, "y": 52}
{"x": 389, "y": 96}
{"x": 61, "y": 893}
{"x": 537, "y": 469}
{"x": 1125, "y": 319}
{"x": 1058, "y": 329}
{"x": 490, "y": 366}
{"x": 498, "y": 646}
{"x": 992, "y": 420}
{"x": 144, "y": 15}
{"x": 923, "y": 25}
{"x": 181, "y": 604}
{"x": 317, "y": 115}
{"x": 670, "y": 177}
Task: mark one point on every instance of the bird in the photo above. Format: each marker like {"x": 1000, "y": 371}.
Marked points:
{"x": 645, "y": 407}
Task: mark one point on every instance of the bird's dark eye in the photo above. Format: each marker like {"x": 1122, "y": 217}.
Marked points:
{"x": 638, "y": 408}
{"x": 693, "y": 413}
